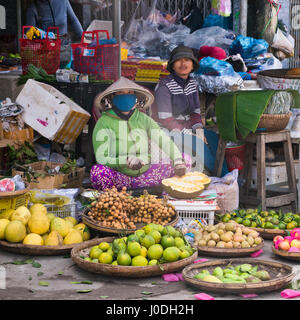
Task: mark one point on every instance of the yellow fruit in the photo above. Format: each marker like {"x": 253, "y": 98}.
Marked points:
{"x": 171, "y": 254}
{"x": 147, "y": 241}
{"x": 156, "y": 235}
{"x": 33, "y": 239}
{"x": 38, "y": 208}
{"x": 134, "y": 248}
{"x": 84, "y": 231}
{"x": 74, "y": 236}
{"x": 72, "y": 219}
{"x": 167, "y": 241}
{"x": 54, "y": 238}
{"x": 95, "y": 252}
{"x": 22, "y": 214}
{"x": 38, "y": 223}
{"x": 3, "y": 224}
{"x": 153, "y": 262}
{"x": 114, "y": 263}
{"x": 155, "y": 252}
{"x": 50, "y": 216}
{"x": 139, "y": 261}
{"x": 69, "y": 225}
{"x": 143, "y": 251}
{"x": 44, "y": 236}
{"x": 6, "y": 214}
{"x": 15, "y": 231}
{"x": 59, "y": 225}
{"x": 104, "y": 246}
{"x": 124, "y": 259}
{"x": 105, "y": 258}
{"x": 179, "y": 242}
{"x": 184, "y": 254}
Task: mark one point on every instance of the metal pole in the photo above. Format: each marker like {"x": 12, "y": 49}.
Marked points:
{"x": 116, "y": 24}
{"x": 243, "y": 17}
{"x": 19, "y": 24}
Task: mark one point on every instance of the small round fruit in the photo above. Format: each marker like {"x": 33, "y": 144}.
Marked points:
{"x": 105, "y": 258}
{"x": 139, "y": 261}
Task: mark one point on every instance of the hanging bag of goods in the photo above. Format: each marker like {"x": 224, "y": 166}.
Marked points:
{"x": 96, "y": 56}
{"x": 40, "y": 48}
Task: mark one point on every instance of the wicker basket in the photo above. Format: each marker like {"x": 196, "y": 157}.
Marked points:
{"x": 274, "y": 122}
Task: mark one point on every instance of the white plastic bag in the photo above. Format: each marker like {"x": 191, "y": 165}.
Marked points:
{"x": 282, "y": 43}
{"x": 227, "y": 189}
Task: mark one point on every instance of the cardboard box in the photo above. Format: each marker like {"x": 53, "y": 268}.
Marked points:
{"x": 55, "y": 181}
{"x": 51, "y": 113}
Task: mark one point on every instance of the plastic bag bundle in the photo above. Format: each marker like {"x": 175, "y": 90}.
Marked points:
{"x": 248, "y": 47}
{"x": 211, "y": 36}
{"x": 215, "y": 67}
{"x": 221, "y": 7}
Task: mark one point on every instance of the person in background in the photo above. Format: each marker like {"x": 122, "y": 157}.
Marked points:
{"x": 55, "y": 13}
{"x": 122, "y": 138}
{"x": 177, "y": 108}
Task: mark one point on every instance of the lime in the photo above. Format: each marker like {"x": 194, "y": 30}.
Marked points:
{"x": 104, "y": 246}
{"x": 169, "y": 230}
{"x": 253, "y": 224}
{"x": 275, "y": 221}
{"x": 134, "y": 248}
{"x": 155, "y": 252}
{"x": 179, "y": 242}
{"x": 140, "y": 233}
{"x": 147, "y": 241}
{"x": 167, "y": 241}
{"x": 124, "y": 259}
{"x": 171, "y": 254}
{"x": 115, "y": 263}
{"x": 282, "y": 226}
{"x": 95, "y": 252}
{"x": 133, "y": 237}
{"x": 105, "y": 258}
{"x": 153, "y": 262}
{"x": 139, "y": 261}
{"x": 238, "y": 219}
{"x": 143, "y": 251}
{"x": 268, "y": 225}
{"x": 246, "y": 222}
{"x": 184, "y": 254}
{"x": 156, "y": 235}
{"x": 225, "y": 219}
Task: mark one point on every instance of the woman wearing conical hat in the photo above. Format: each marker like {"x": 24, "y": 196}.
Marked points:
{"x": 122, "y": 140}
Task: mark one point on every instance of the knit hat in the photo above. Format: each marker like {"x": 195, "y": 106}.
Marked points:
{"x": 182, "y": 52}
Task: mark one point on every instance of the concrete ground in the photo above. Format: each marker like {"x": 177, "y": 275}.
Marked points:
{"x": 25, "y": 282}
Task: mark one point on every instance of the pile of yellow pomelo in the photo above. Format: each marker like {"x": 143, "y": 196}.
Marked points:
{"x": 154, "y": 244}
{"x": 35, "y": 226}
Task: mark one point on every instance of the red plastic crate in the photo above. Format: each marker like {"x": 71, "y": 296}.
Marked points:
{"x": 235, "y": 157}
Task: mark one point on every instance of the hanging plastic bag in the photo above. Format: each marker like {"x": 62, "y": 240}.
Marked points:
{"x": 248, "y": 47}
{"x": 282, "y": 43}
{"x": 221, "y": 7}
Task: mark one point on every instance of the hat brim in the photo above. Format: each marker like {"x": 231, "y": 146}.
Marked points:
{"x": 144, "y": 96}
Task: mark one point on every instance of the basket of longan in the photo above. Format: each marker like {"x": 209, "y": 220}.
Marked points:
{"x": 118, "y": 211}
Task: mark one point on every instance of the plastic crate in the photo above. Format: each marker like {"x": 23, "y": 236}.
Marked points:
{"x": 191, "y": 210}
{"x": 62, "y": 211}
{"x": 235, "y": 157}
{"x": 14, "y": 202}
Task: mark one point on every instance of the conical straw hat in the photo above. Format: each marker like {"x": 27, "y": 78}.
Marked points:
{"x": 144, "y": 96}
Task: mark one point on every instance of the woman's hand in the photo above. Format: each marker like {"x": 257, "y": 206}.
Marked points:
{"x": 134, "y": 163}
{"x": 179, "y": 168}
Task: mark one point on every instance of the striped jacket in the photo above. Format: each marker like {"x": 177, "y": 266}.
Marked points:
{"x": 177, "y": 102}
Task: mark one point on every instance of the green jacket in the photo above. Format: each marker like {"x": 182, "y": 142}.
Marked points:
{"x": 115, "y": 139}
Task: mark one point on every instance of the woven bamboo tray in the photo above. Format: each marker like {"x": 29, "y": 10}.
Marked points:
{"x": 36, "y": 250}
{"x": 274, "y": 122}
{"x": 82, "y": 250}
{"x": 228, "y": 252}
{"x": 281, "y": 276}
{"x": 295, "y": 256}
{"x": 269, "y": 233}
{"x": 93, "y": 225}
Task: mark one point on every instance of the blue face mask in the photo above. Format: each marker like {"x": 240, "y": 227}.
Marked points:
{"x": 124, "y": 102}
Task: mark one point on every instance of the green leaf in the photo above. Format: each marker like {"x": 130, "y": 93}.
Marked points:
{"x": 67, "y": 256}
{"x": 36, "y": 264}
{"x": 146, "y": 292}
{"x": 60, "y": 273}
{"x": 104, "y": 297}
{"x": 84, "y": 291}
{"x": 29, "y": 261}
{"x": 44, "y": 283}
{"x": 30, "y": 278}
{"x": 40, "y": 274}
{"x": 82, "y": 282}
{"x": 154, "y": 283}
